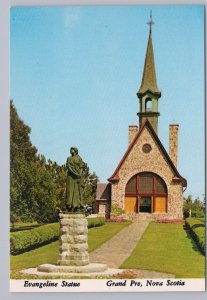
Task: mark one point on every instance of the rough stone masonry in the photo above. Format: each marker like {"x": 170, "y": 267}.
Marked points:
{"x": 73, "y": 250}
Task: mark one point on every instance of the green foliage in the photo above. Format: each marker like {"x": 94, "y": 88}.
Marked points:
{"x": 193, "y": 208}
{"x": 167, "y": 248}
{"x": 30, "y": 239}
{"x": 22, "y": 241}
{"x": 197, "y": 214}
{"x": 116, "y": 211}
{"x": 88, "y": 186}
{"x": 95, "y": 222}
{"x": 22, "y": 155}
{"x": 192, "y": 222}
{"x": 48, "y": 254}
{"x": 37, "y": 185}
{"x": 197, "y": 231}
{"x": 33, "y": 191}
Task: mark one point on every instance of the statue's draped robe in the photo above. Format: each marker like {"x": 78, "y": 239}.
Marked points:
{"x": 74, "y": 172}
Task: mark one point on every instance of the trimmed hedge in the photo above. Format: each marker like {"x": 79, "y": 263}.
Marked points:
{"x": 95, "y": 222}
{"x": 197, "y": 231}
{"x": 26, "y": 240}
{"x": 22, "y": 241}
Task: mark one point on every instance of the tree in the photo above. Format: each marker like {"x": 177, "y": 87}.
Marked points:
{"x": 187, "y": 206}
{"x": 37, "y": 185}
{"x": 193, "y": 208}
{"x": 88, "y": 186}
{"x": 22, "y": 155}
{"x": 198, "y": 208}
{"x": 33, "y": 189}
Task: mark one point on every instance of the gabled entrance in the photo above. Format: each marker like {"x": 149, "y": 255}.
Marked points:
{"x": 146, "y": 193}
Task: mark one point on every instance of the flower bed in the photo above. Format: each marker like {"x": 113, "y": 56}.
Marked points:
{"x": 116, "y": 220}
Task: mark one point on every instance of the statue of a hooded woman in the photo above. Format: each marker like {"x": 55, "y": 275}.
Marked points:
{"x": 74, "y": 167}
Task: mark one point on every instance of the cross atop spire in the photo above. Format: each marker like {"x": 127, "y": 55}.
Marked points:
{"x": 148, "y": 92}
{"x": 149, "y": 82}
{"x": 150, "y": 23}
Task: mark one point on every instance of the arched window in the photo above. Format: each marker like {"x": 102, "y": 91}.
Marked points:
{"x": 148, "y": 104}
{"x": 146, "y": 192}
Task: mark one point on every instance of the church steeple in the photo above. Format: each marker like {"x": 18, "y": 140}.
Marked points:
{"x": 148, "y": 92}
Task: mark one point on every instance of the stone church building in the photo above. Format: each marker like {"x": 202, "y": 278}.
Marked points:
{"x": 146, "y": 182}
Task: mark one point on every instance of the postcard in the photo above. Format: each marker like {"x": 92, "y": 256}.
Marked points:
{"x": 107, "y": 149}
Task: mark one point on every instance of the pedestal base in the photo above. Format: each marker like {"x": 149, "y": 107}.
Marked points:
{"x": 90, "y": 271}
{"x": 73, "y": 250}
{"x": 90, "y": 268}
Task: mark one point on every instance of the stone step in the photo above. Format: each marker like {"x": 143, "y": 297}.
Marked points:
{"x": 139, "y": 217}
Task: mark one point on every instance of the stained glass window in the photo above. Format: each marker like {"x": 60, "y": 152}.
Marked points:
{"x": 160, "y": 185}
{"x": 131, "y": 185}
{"x": 146, "y": 183}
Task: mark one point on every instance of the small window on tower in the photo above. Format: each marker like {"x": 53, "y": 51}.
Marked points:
{"x": 148, "y": 104}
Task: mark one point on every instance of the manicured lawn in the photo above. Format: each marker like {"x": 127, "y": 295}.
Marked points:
{"x": 99, "y": 235}
{"x": 167, "y": 248}
{"x": 48, "y": 254}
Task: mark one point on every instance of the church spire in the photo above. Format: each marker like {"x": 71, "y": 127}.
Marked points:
{"x": 149, "y": 82}
{"x": 149, "y": 93}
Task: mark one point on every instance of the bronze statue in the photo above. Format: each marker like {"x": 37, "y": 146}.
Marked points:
{"x": 74, "y": 167}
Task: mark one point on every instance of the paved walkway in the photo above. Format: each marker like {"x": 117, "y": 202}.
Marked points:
{"x": 119, "y": 247}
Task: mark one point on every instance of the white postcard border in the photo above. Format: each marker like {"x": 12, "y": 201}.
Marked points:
{"x": 108, "y": 285}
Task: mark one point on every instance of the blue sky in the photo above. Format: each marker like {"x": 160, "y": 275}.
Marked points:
{"x": 75, "y": 72}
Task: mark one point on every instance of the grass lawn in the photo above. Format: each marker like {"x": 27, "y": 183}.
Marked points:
{"x": 48, "y": 254}
{"x": 167, "y": 248}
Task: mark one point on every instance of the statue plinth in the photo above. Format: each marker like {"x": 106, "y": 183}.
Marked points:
{"x": 73, "y": 258}
{"x": 73, "y": 250}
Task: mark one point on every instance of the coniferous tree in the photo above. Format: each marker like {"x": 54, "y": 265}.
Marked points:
{"x": 22, "y": 156}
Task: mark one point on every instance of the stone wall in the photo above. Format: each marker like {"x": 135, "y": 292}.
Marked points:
{"x": 103, "y": 209}
{"x": 137, "y": 161}
{"x": 173, "y": 143}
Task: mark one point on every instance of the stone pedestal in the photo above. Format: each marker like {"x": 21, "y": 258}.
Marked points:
{"x": 73, "y": 258}
{"x": 73, "y": 250}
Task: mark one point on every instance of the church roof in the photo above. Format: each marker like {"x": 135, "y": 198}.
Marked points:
{"x": 103, "y": 191}
{"x": 149, "y": 81}
{"x": 177, "y": 176}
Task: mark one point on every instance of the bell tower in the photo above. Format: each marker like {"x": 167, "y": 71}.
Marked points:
{"x": 148, "y": 92}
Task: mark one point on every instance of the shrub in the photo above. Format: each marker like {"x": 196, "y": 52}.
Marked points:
{"x": 197, "y": 214}
{"x": 202, "y": 220}
{"x": 196, "y": 228}
{"x": 30, "y": 239}
{"x": 116, "y": 211}
{"x": 95, "y": 222}
{"x": 190, "y": 222}
{"x": 22, "y": 241}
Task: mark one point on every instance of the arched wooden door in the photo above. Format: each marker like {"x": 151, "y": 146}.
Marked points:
{"x": 146, "y": 193}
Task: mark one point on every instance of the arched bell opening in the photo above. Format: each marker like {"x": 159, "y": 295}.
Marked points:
{"x": 148, "y": 104}
{"x": 146, "y": 192}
